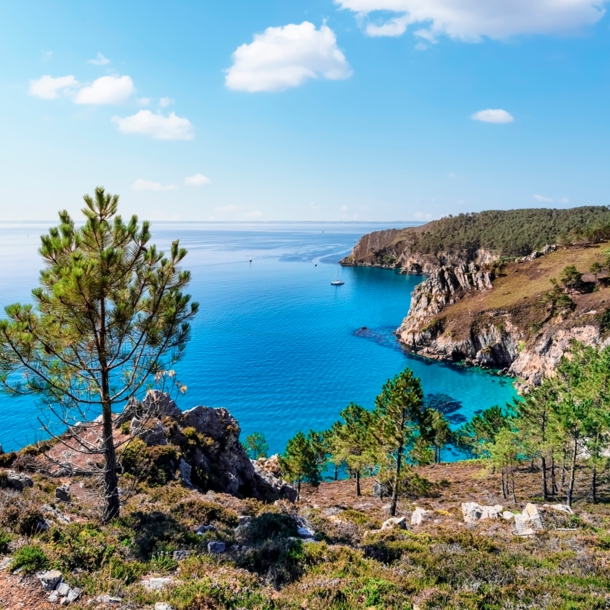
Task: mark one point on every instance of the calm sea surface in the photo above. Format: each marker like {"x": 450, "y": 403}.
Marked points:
{"x": 273, "y": 342}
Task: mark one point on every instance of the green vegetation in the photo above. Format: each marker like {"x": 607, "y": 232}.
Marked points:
{"x": 256, "y": 446}
{"x": 108, "y": 316}
{"x": 512, "y": 232}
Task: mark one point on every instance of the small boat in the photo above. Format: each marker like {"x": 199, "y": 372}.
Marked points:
{"x": 337, "y": 283}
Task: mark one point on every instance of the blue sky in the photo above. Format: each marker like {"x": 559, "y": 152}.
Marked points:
{"x": 315, "y": 110}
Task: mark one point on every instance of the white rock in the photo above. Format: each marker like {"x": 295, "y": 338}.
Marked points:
{"x": 163, "y": 606}
{"x": 63, "y": 588}
{"x": 54, "y": 597}
{"x": 507, "y": 515}
{"x": 419, "y": 516}
{"x": 474, "y": 512}
{"x": 74, "y": 594}
{"x": 157, "y": 584}
{"x": 395, "y": 522}
{"x": 49, "y": 580}
{"x": 529, "y": 521}
{"x": 562, "y": 508}
{"x": 305, "y": 532}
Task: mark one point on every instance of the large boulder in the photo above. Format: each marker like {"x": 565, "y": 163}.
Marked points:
{"x": 529, "y": 521}
{"x": 474, "y": 512}
{"x": 15, "y": 480}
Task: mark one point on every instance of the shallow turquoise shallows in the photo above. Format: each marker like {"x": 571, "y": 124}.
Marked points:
{"x": 274, "y": 342}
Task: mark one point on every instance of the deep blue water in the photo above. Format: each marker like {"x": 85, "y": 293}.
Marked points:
{"x": 273, "y": 341}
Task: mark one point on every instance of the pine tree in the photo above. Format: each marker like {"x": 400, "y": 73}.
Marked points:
{"x": 398, "y": 417}
{"x": 300, "y": 462}
{"x": 108, "y": 316}
{"x": 256, "y": 446}
{"x": 353, "y": 442}
{"x": 436, "y": 432}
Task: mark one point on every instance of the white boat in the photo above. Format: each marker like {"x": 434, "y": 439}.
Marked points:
{"x": 337, "y": 283}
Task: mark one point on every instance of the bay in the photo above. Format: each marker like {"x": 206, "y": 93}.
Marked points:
{"x": 274, "y": 342}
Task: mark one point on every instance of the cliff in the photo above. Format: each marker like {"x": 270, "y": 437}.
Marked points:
{"x": 480, "y": 308}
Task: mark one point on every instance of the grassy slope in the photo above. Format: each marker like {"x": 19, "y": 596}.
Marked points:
{"x": 520, "y": 286}
{"x": 441, "y": 564}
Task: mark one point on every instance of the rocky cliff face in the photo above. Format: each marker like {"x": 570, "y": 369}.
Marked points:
{"x": 523, "y": 340}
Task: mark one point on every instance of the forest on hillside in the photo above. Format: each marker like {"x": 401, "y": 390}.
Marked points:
{"x": 512, "y": 232}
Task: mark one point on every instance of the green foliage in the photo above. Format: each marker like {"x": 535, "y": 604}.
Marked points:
{"x": 5, "y": 540}
{"x": 571, "y": 278}
{"x": 201, "y": 512}
{"x": 511, "y": 232}
{"x": 23, "y": 518}
{"x": 269, "y": 526}
{"x": 31, "y": 558}
{"x": 301, "y": 460}
{"x": 478, "y": 434}
{"x": 153, "y": 465}
{"x": 256, "y": 446}
{"x": 82, "y": 547}
{"x": 109, "y": 314}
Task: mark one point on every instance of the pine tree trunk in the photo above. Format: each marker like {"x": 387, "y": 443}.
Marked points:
{"x": 512, "y": 477}
{"x": 298, "y": 489}
{"x": 336, "y": 472}
{"x": 563, "y": 468}
{"x": 503, "y": 485}
{"x": 594, "y": 485}
{"x": 358, "y": 483}
{"x": 545, "y": 490}
{"x": 572, "y": 474}
{"x": 554, "y": 489}
{"x": 396, "y": 482}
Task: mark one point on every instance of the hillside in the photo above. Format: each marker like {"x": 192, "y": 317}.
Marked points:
{"x": 175, "y": 547}
{"x": 483, "y": 305}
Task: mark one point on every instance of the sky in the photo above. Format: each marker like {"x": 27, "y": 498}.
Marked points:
{"x": 370, "y": 110}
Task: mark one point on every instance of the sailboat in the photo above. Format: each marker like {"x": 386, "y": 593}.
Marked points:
{"x": 337, "y": 281}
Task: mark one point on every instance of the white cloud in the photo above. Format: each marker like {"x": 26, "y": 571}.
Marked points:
{"x": 197, "y": 180}
{"x": 100, "y": 60}
{"x": 543, "y": 199}
{"x": 287, "y": 56}
{"x": 255, "y": 214}
{"x": 422, "y": 216}
{"x": 147, "y": 185}
{"x": 49, "y": 88}
{"x": 106, "y": 90}
{"x": 493, "y": 116}
{"x": 142, "y": 101}
{"x": 165, "y": 101}
{"x": 227, "y": 208}
{"x": 471, "y": 20}
{"x": 47, "y": 55}
{"x": 156, "y": 126}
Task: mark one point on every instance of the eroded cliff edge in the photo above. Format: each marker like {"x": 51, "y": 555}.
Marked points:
{"x": 484, "y": 309}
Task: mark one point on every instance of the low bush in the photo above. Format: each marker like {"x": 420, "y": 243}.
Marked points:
{"x": 31, "y": 558}
{"x": 201, "y": 512}
{"x": 270, "y": 526}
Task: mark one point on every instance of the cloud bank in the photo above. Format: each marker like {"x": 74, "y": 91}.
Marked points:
{"x": 287, "y": 56}
{"x": 197, "y": 180}
{"x": 49, "y": 88}
{"x": 472, "y": 20}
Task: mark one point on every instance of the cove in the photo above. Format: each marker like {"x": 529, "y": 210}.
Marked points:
{"x": 273, "y": 342}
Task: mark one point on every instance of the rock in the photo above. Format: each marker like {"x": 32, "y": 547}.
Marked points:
{"x": 163, "y": 606}
{"x": 529, "y": 521}
{"x": 108, "y": 599}
{"x": 54, "y": 597}
{"x": 395, "y": 522}
{"x": 151, "y": 431}
{"x": 49, "y": 580}
{"x": 157, "y": 584}
{"x": 63, "y": 588}
{"x": 216, "y": 547}
{"x": 562, "y": 508}
{"x": 62, "y": 493}
{"x": 74, "y": 594}
{"x": 381, "y": 490}
{"x": 5, "y": 563}
{"x": 181, "y": 555}
{"x": 16, "y": 480}
{"x": 185, "y": 472}
{"x": 64, "y": 601}
{"x": 507, "y": 515}
{"x": 202, "y": 529}
{"x": 419, "y": 516}
{"x": 474, "y": 512}
{"x": 305, "y": 532}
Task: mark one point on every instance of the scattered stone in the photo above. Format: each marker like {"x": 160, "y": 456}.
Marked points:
{"x": 74, "y": 594}
{"x": 49, "y": 580}
{"x": 63, "y": 588}
{"x": 419, "y": 516}
{"x": 507, "y": 515}
{"x": 5, "y": 563}
{"x": 562, "y": 508}
{"x": 62, "y": 493}
{"x": 395, "y": 522}
{"x": 108, "y": 599}
{"x": 381, "y": 490}
{"x": 181, "y": 555}
{"x": 64, "y": 601}
{"x": 529, "y": 521}
{"x": 216, "y": 547}
{"x": 474, "y": 512}
{"x": 54, "y": 597}
{"x": 157, "y": 584}
{"x": 16, "y": 480}
{"x": 202, "y": 529}
{"x": 305, "y": 532}
{"x": 163, "y": 606}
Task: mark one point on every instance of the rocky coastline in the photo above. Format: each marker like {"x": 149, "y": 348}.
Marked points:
{"x": 521, "y": 340}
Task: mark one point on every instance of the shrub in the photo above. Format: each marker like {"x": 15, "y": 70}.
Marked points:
{"x": 198, "y": 512}
{"x": 4, "y": 542}
{"x": 82, "y": 547}
{"x": 154, "y": 465}
{"x": 125, "y": 571}
{"x": 270, "y": 526}
{"x": 23, "y": 519}
{"x": 31, "y": 558}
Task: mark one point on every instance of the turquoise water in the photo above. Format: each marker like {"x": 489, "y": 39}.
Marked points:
{"x": 274, "y": 342}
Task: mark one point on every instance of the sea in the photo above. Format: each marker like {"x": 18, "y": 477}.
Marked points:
{"x": 273, "y": 341}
